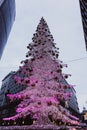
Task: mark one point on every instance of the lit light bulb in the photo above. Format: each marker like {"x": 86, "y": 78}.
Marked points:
{"x": 34, "y": 121}
{"x": 14, "y": 122}
{"x": 53, "y": 122}
{"x": 64, "y": 123}
{"x": 69, "y": 124}
{"x": 22, "y": 122}
{"x": 3, "y": 123}
{"x": 59, "y": 123}
{"x": 8, "y": 123}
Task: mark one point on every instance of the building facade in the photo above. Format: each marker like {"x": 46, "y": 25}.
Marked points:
{"x": 72, "y": 105}
{"x": 7, "y": 17}
{"x": 8, "y": 86}
{"x": 83, "y": 8}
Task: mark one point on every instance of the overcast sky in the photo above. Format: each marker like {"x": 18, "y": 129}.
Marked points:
{"x": 64, "y": 20}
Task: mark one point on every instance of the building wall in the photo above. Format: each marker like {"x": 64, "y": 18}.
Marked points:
{"x": 7, "y": 17}
{"x": 8, "y": 86}
{"x": 83, "y": 8}
{"x": 73, "y": 103}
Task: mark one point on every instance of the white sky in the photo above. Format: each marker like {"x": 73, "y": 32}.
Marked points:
{"x": 64, "y": 20}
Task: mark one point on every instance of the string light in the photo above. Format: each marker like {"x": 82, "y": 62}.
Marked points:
{"x": 53, "y": 122}
{"x": 8, "y": 123}
{"x": 59, "y": 123}
{"x": 34, "y": 121}
{"x": 23, "y": 122}
{"x": 14, "y": 123}
{"x": 82, "y": 58}
{"x": 3, "y": 123}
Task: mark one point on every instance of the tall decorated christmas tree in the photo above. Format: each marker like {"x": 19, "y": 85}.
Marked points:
{"x": 42, "y": 75}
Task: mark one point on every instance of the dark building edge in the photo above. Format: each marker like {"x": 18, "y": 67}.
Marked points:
{"x": 7, "y": 17}
{"x": 83, "y": 9}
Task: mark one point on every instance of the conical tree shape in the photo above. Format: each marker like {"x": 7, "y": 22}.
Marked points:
{"x": 43, "y": 42}
{"x": 42, "y": 74}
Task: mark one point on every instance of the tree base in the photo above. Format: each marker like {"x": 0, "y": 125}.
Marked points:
{"x": 41, "y": 127}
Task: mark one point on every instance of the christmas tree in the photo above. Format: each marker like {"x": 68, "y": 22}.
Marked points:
{"x": 42, "y": 75}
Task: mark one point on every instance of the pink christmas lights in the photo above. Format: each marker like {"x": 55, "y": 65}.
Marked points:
{"x": 42, "y": 74}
